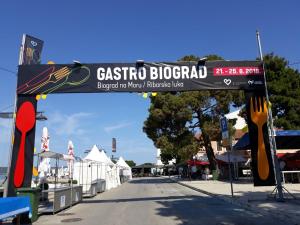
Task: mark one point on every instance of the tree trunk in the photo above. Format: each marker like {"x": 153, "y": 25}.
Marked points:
{"x": 209, "y": 151}
{"x": 207, "y": 144}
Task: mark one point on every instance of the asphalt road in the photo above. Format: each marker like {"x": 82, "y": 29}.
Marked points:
{"x": 155, "y": 201}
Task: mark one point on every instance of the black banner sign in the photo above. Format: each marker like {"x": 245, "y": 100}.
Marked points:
{"x": 261, "y": 158}
{"x": 134, "y": 77}
{"x": 28, "y": 151}
{"x": 31, "y": 50}
{"x": 114, "y": 145}
{"x": 21, "y": 164}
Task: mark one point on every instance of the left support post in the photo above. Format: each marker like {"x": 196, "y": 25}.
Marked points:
{"x": 21, "y": 175}
{"x": 14, "y": 172}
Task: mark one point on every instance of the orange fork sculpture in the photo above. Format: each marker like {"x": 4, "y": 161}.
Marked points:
{"x": 259, "y": 116}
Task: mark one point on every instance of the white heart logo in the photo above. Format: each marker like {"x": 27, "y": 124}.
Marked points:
{"x": 227, "y": 81}
{"x": 250, "y": 82}
{"x": 33, "y": 43}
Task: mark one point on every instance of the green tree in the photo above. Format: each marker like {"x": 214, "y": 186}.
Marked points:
{"x": 174, "y": 118}
{"x": 284, "y": 92}
{"x": 166, "y": 125}
{"x": 130, "y": 163}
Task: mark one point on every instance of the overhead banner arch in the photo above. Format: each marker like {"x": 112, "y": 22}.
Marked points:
{"x": 136, "y": 77}
{"x": 35, "y": 79}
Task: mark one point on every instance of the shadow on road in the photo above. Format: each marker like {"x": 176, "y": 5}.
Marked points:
{"x": 185, "y": 207}
{"x": 137, "y": 199}
{"x": 152, "y": 180}
{"x": 194, "y": 210}
{"x": 206, "y": 211}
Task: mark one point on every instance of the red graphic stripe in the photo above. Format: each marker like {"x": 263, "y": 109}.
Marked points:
{"x": 237, "y": 71}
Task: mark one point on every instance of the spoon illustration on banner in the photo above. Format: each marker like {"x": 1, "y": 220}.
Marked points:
{"x": 24, "y": 122}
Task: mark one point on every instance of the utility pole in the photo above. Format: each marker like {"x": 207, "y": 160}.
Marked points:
{"x": 227, "y": 141}
{"x": 271, "y": 130}
{"x": 229, "y": 167}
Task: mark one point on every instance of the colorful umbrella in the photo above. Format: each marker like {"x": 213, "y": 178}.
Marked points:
{"x": 71, "y": 154}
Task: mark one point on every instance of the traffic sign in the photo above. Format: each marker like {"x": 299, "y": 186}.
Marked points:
{"x": 223, "y": 122}
{"x": 224, "y": 130}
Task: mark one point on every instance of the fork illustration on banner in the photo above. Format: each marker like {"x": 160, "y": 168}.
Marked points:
{"x": 59, "y": 78}
{"x": 36, "y": 80}
{"x": 53, "y": 78}
{"x": 259, "y": 116}
{"x": 71, "y": 83}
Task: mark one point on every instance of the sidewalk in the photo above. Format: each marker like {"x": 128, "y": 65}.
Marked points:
{"x": 254, "y": 198}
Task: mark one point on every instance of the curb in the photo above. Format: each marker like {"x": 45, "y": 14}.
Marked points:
{"x": 212, "y": 194}
{"x": 244, "y": 205}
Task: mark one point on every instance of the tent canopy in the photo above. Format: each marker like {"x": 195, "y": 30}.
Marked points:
{"x": 94, "y": 155}
{"x": 98, "y": 156}
{"x": 52, "y": 155}
{"x": 197, "y": 163}
{"x": 234, "y": 158}
{"x": 106, "y": 159}
{"x": 121, "y": 162}
{"x": 285, "y": 139}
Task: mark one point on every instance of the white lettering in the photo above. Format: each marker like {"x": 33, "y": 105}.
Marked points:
{"x": 109, "y": 75}
{"x": 153, "y": 73}
{"x": 167, "y": 73}
{"x": 142, "y": 73}
{"x": 160, "y": 73}
{"x": 117, "y": 72}
{"x": 176, "y": 72}
{"x": 202, "y": 72}
{"x": 134, "y": 85}
{"x": 125, "y": 69}
{"x": 194, "y": 73}
{"x": 100, "y": 73}
{"x": 185, "y": 72}
{"x": 132, "y": 73}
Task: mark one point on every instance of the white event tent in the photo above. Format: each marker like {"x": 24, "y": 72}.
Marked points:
{"x": 111, "y": 172}
{"x": 124, "y": 168}
{"x": 95, "y": 166}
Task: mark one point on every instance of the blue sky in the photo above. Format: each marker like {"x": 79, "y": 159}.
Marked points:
{"x": 124, "y": 31}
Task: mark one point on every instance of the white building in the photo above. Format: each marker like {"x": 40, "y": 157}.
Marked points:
{"x": 240, "y": 122}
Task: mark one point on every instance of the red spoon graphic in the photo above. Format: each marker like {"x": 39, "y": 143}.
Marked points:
{"x": 24, "y": 122}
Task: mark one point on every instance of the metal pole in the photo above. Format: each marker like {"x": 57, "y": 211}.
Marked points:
{"x": 79, "y": 173}
{"x": 12, "y": 137}
{"x": 91, "y": 188}
{"x": 271, "y": 129}
{"x": 87, "y": 177}
{"x": 194, "y": 163}
{"x": 229, "y": 171}
{"x": 82, "y": 181}
{"x": 71, "y": 188}
{"x": 97, "y": 172}
{"x": 56, "y": 173}
{"x": 37, "y": 166}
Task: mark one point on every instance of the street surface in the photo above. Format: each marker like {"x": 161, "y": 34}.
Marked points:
{"x": 155, "y": 201}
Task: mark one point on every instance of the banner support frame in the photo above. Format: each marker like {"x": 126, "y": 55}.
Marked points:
{"x": 271, "y": 134}
{"x": 12, "y": 136}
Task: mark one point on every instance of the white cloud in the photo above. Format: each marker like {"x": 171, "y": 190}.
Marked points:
{"x": 5, "y": 123}
{"x": 64, "y": 124}
{"x": 5, "y": 130}
{"x": 64, "y": 127}
{"x": 109, "y": 129}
